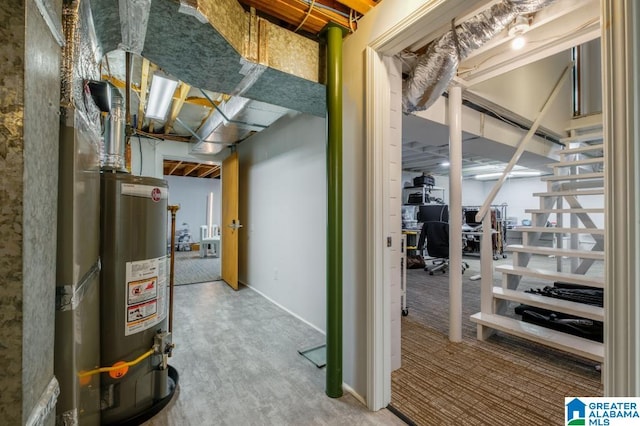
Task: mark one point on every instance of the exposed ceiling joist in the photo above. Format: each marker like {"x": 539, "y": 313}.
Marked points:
{"x": 144, "y": 82}
{"x": 178, "y": 101}
{"x": 193, "y": 100}
{"x": 360, "y": 6}
{"x": 207, "y": 172}
{"x": 173, "y": 169}
{"x": 188, "y": 170}
{"x": 295, "y": 13}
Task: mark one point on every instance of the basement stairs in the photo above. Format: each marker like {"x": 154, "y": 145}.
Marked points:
{"x": 576, "y": 186}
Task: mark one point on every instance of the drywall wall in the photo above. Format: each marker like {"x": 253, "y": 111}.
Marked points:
{"x": 191, "y": 194}
{"x": 518, "y": 195}
{"x": 282, "y": 247}
{"x": 145, "y": 164}
{"x": 526, "y": 89}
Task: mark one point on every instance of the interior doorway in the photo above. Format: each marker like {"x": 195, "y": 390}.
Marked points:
{"x": 380, "y": 82}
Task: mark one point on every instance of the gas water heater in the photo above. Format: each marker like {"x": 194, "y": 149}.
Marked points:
{"x": 135, "y": 343}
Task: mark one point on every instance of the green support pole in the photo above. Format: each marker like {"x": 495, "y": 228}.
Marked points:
{"x": 334, "y": 36}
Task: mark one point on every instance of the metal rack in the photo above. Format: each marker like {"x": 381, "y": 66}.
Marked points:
{"x": 498, "y": 224}
{"x": 426, "y": 194}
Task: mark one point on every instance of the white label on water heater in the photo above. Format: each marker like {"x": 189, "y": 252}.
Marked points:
{"x": 146, "y": 294}
{"x": 145, "y": 191}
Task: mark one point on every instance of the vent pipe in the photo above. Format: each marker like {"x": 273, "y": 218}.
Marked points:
{"x": 114, "y": 134}
{"x": 434, "y": 70}
{"x": 107, "y": 97}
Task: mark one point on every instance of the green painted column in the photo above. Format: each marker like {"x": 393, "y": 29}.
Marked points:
{"x": 333, "y": 35}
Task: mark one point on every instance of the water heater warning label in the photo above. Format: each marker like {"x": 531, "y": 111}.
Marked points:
{"x": 146, "y": 294}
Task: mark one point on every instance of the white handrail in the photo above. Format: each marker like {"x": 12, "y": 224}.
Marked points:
{"x": 521, "y": 145}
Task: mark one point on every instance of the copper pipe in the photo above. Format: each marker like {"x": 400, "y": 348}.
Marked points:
{"x": 173, "y": 210}
{"x": 127, "y": 97}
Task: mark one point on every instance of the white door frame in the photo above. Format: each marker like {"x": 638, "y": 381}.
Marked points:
{"x": 621, "y": 376}
{"x": 432, "y": 15}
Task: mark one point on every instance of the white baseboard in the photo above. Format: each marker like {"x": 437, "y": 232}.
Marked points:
{"x": 283, "y": 308}
{"x": 356, "y": 395}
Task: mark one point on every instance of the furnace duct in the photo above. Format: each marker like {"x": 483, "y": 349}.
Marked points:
{"x": 134, "y": 16}
{"x": 435, "y": 69}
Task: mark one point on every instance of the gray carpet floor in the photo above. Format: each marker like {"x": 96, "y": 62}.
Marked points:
{"x": 509, "y": 371}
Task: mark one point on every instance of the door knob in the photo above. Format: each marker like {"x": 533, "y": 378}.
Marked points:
{"x": 234, "y": 225}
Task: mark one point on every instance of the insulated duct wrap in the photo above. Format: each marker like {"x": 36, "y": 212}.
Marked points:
{"x": 134, "y": 17}
{"x": 79, "y": 63}
{"x": 190, "y": 7}
{"x": 435, "y": 69}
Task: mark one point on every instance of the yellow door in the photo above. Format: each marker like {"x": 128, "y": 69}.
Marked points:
{"x": 230, "y": 221}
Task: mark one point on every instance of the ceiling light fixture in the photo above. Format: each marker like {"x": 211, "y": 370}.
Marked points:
{"x": 488, "y": 176}
{"x": 518, "y": 43}
{"x": 445, "y": 164}
{"x": 160, "y": 96}
{"x": 518, "y": 27}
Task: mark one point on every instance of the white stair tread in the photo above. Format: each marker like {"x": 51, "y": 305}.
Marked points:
{"x": 550, "y": 251}
{"x": 582, "y": 162}
{"x": 590, "y": 210}
{"x": 571, "y": 308}
{"x": 569, "y": 193}
{"x": 552, "y": 275}
{"x": 579, "y": 150}
{"x": 556, "y": 230}
{"x": 591, "y": 121}
{"x": 592, "y": 136}
{"x": 599, "y": 175}
{"x": 555, "y": 339}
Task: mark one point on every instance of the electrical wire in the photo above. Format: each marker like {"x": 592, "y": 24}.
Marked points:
{"x": 140, "y": 149}
{"x": 323, "y": 6}
{"x": 117, "y": 367}
{"x": 313, "y": 2}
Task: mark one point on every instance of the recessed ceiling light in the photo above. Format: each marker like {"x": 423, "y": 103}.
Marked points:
{"x": 445, "y": 164}
{"x": 518, "y": 43}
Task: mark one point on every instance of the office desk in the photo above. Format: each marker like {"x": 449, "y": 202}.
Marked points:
{"x": 471, "y": 243}
{"x": 215, "y": 246}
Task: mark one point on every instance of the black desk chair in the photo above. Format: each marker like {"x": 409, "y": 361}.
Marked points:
{"x": 436, "y": 235}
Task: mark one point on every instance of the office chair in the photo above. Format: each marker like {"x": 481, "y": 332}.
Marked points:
{"x": 436, "y": 235}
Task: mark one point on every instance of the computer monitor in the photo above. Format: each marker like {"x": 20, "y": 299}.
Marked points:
{"x": 470, "y": 218}
{"x": 433, "y": 213}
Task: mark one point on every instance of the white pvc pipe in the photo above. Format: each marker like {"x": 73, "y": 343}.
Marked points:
{"x": 210, "y": 217}
{"x": 455, "y": 213}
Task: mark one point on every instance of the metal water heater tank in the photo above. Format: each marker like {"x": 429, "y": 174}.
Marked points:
{"x": 134, "y": 296}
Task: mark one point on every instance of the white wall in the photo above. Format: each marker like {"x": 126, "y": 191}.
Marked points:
{"x": 155, "y": 151}
{"x": 518, "y": 195}
{"x": 526, "y": 89}
{"x": 145, "y": 165}
{"x": 191, "y": 194}
{"x": 283, "y": 209}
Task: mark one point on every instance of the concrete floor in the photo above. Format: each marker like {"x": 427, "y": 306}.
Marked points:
{"x": 237, "y": 357}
